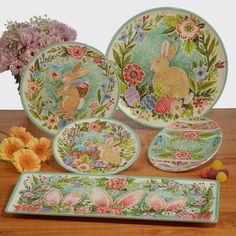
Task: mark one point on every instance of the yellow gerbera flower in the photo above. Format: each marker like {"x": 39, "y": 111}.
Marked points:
{"x": 21, "y": 133}
{"x": 42, "y": 147}
{"x": 26, "y": 160}
{"x": 8, "y": 146}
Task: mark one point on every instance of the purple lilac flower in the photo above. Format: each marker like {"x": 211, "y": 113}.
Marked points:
{"x": 62, "y": 123}
{"x": 95, "y": 164}
{"x": 200, "y": 72}
{"x": 172, "y": 183}
{"x": 77, "y": 184}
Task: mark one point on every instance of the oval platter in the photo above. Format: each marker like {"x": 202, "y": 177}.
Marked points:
{"x": 185, "y": 144}
{"x": 171, "y": 64}
{"x": 96, "y": 146}
{"x": 67, "y": 82}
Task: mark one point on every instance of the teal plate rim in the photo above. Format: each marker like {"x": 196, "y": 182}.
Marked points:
{"x": 46, "y": 48}
{"x": 131, "y": 130}
{"x": 178, "y": 9}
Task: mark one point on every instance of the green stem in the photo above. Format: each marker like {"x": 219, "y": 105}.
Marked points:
{"x": 4, "y": 133}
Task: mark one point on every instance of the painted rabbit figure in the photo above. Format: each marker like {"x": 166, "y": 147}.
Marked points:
{"x": 109, "y": 154}
{"x": 172, "y": 79}
{"x": 70, "y": 92}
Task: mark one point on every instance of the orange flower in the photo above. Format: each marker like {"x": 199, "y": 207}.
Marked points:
{"x": 26, "y": 160}
{"x": 21, "y": 133}
{"x": 8, "y": 146}
{"x": 42, "y": 147}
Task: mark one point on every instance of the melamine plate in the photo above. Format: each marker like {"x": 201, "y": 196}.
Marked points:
{"x": 171, "y": 64}
{"x": 96, "y": 146}
{"x": 185, "y": 144}
{"x": 127, "y": 197}
{"x": 67, "y": 82}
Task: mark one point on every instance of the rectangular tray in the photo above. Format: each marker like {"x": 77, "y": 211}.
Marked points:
{"x": 127, "y": 197}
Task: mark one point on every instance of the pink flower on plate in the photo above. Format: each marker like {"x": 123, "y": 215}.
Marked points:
{"x": 53, "y": 197}
{"x": 54, "y": 75}
{"x": 82, "y": 210}
{"x": 199, "y": 103}
{"x": 83, "y": 167}
{"x": 189, "y": 135}
{"x": 133, "y": 74}
{"x": 94, "y": 126}
{"x": 116, "y": 183}
{"x": 108, "y": 211}
{"x": 182, "y": 154}
{"x": 97, "y": 59}
{"x": 77, "y": 52}
{"x": 33, "y": 88}
{"x": 187, "y": 29}
{"x": 26, "y": 208}
{"x": 176, "y": 108}
{"x": 52, "y": 121}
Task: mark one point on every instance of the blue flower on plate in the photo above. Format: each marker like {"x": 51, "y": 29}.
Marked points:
{"x": 158, "y": 139}
{"x": 140, "y": 37}
{"x": 62, "y": 123}
{"x": 216, "y": 141}
{"x": 37, "y": 74}
{"x": 95, "y": 164}
{"x": 105, "y": 98}
{"x": 111, "y": 81}
{"x": 137, "y": 26}
{"x": 200, "y": 73}
{"x": 104, "y": 87}
{"x": 123, "y": 37}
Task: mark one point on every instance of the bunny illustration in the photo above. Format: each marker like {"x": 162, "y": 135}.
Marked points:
{"x": 109, "y": 154}
{"x": 172, "y": 79}
{"x": 71, "y": 93}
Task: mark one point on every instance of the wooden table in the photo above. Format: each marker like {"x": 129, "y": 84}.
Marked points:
{"x": 42, "y": 225}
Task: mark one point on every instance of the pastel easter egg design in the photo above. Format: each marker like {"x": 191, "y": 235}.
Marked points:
{"x": 131, "y": 95}
{"x": 148, "y": 101}
{"x": 163, "y": 105}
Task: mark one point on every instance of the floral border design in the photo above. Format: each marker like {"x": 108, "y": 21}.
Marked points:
{"x": 151, "y": 104}
{"x": 53, "y": 120}
{"x": 149, "y": 198}
{"x": 88, "y": 157}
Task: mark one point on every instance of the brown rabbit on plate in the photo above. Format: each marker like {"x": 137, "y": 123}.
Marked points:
{"x": 173, "y": 80}
{"x": 70, "y": 92}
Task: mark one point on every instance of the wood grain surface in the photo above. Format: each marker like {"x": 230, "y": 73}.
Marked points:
{"x": 46, "y": 225}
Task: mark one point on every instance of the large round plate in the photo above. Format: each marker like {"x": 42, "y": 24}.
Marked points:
{"x": 171, "y": 64}
{"x": 96, "y": 146}
{"x": 66, "y": 82}
{"x": 185, "y": 144}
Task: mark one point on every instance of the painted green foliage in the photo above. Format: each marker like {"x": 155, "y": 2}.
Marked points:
{"x": 151, "y": 101}
{"x": 151, "y": 198}
{"x": 60, "y": 81}
{"x": 97, "y": 146}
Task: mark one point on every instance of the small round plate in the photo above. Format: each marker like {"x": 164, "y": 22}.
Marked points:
{"x": 185, "y": 144}
{"x": 66, "y": 82}
{"x": 96, "y": 146}
{"x": 171, "y": 64}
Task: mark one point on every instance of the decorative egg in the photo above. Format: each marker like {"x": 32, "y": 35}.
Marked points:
{"x": 148, "y": 101}
{"x": 131, "y": 95}
{"x": 163, "y": 105}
